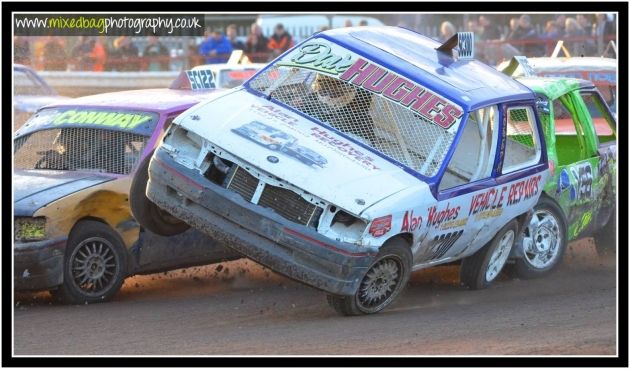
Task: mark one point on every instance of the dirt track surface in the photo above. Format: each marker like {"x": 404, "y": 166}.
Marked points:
{"x": 246, "y": 309}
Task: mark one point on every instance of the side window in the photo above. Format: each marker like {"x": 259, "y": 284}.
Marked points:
{"x": 570, "y": 146}
{"x": 522, "y": 146}
{"x": 473, "y": 158}
{"x": 604, "y": 123}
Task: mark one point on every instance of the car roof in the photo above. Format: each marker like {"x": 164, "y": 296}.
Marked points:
{"x": 159, "y": 100}
{"x": 469, "y": 83}
{"x": 554, "y": 87}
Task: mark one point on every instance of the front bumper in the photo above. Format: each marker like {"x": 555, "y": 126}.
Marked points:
{"x": 39, "y": 265}
{"x": 260, "y": 234}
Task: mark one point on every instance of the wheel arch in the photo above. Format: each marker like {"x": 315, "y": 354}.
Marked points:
{"x": 406, "y": 237}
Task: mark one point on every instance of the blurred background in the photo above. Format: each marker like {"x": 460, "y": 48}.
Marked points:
{"x": 72, "y": 64}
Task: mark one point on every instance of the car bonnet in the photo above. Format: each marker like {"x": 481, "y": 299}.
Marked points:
{"x": 34, "y": 189}
{"x": 345, "y": 173}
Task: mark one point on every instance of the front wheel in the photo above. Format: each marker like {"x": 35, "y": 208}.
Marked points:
{"x": 95, "y": 265}
{"x": 482, "y": 268}
{"x": 149, "y": 215}
{"x": 544, "y": 241}
{"x": 385, "y": 279}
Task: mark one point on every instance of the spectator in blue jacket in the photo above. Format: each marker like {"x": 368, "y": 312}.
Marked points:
{"x": 216, "y": 48}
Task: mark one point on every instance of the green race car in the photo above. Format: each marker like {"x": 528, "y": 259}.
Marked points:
{"x": 579, "y": 199}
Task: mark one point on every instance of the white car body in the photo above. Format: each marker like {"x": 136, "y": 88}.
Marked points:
{"x": 414, "y": 145}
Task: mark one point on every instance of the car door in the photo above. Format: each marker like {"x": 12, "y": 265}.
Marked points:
{"x": 452, "y": 230}
{"x": 604, "y": 137}
{"x": 577, "y": 187}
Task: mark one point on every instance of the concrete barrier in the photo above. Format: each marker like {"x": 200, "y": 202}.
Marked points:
{"x": 75, "y": 84}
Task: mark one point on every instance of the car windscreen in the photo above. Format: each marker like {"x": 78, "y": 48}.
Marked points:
{"x": 397, "y": 117}
{"x": 68, "y": 144}
{"x": 235, "y": 77}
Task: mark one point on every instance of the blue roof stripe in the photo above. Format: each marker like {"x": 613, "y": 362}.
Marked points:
{"x": 469, "y": 83}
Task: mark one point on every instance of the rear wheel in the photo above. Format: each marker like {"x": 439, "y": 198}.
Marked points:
{"x": 544, "y": 241}
{"x": 483, "y": 267}
{"x": 385, "y": 279}
{"x": 95, "y": 264}
{"x": 149, "y": 215}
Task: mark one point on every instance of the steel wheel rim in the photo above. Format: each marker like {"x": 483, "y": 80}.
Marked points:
{"x": 94, "y": 266}
{"x": 380, "y": 284}
{"x": 500, "y": 255}
{"x": 542, "y": 240}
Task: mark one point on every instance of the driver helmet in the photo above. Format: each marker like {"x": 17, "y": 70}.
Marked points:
{"x": 333, "y": 92}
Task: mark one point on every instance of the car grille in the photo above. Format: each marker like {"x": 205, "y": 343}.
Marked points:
{"x": 284, "y": 202}
{"x": 243, "y": 183}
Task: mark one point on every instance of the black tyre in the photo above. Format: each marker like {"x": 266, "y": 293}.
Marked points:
{"x": 149, "y": 215}
{"x": 544, "y": 241}
{"x": 606, "y": 238}
{"x": 385, "y": 279}
{"x": 95, "y": 264}
{"x": 480, "y": 269}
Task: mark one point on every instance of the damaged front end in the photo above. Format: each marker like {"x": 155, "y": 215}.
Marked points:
{"x": 259, "y": 215}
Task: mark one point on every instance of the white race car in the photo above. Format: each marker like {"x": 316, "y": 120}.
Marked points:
{"x": 422, "y": 158}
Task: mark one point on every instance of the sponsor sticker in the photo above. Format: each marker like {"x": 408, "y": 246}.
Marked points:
{"x": 380, "y": 226}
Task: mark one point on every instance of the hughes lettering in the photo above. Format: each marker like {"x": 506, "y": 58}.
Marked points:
{"x": 435, "y": 217}
{"x": 321, "y": 56}
{"x": 400, "y": 90}
{"x": 343, "y": 147}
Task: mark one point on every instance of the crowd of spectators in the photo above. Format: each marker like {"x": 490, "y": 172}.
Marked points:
{"x": 494, "y": 42}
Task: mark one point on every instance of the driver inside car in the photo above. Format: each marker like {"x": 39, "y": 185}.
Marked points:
{"x": 343, "y": 106}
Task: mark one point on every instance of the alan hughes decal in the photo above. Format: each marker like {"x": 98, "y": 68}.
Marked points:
{"x": 490, "y": 203}
{"x": 487, "y": 204}
{"x": 322, "y": 135}
{"x": 322, "y": 56}
{"x": 278, "y": 140}
{"x": 274, "y": 113}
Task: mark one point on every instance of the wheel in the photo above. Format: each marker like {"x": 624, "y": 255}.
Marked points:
{"x": 480, "y": 269}
{"x": 149, "y": 215}
{"x": 606, "y": 238}
{"x": 544, "y": 241}
{"x": 95, "y": 264}
{"x": 385, "y": 279}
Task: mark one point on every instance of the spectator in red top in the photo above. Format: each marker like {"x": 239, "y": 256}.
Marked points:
{"x": 99, "y": 54}
{"x": 280, "y": 41}
{"x": 256, "y": 45}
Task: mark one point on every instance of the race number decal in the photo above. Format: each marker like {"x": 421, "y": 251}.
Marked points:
{"x": 200, "y": 79}
{"x": 584, "y": 175}
{"x": 442, "y": 243}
